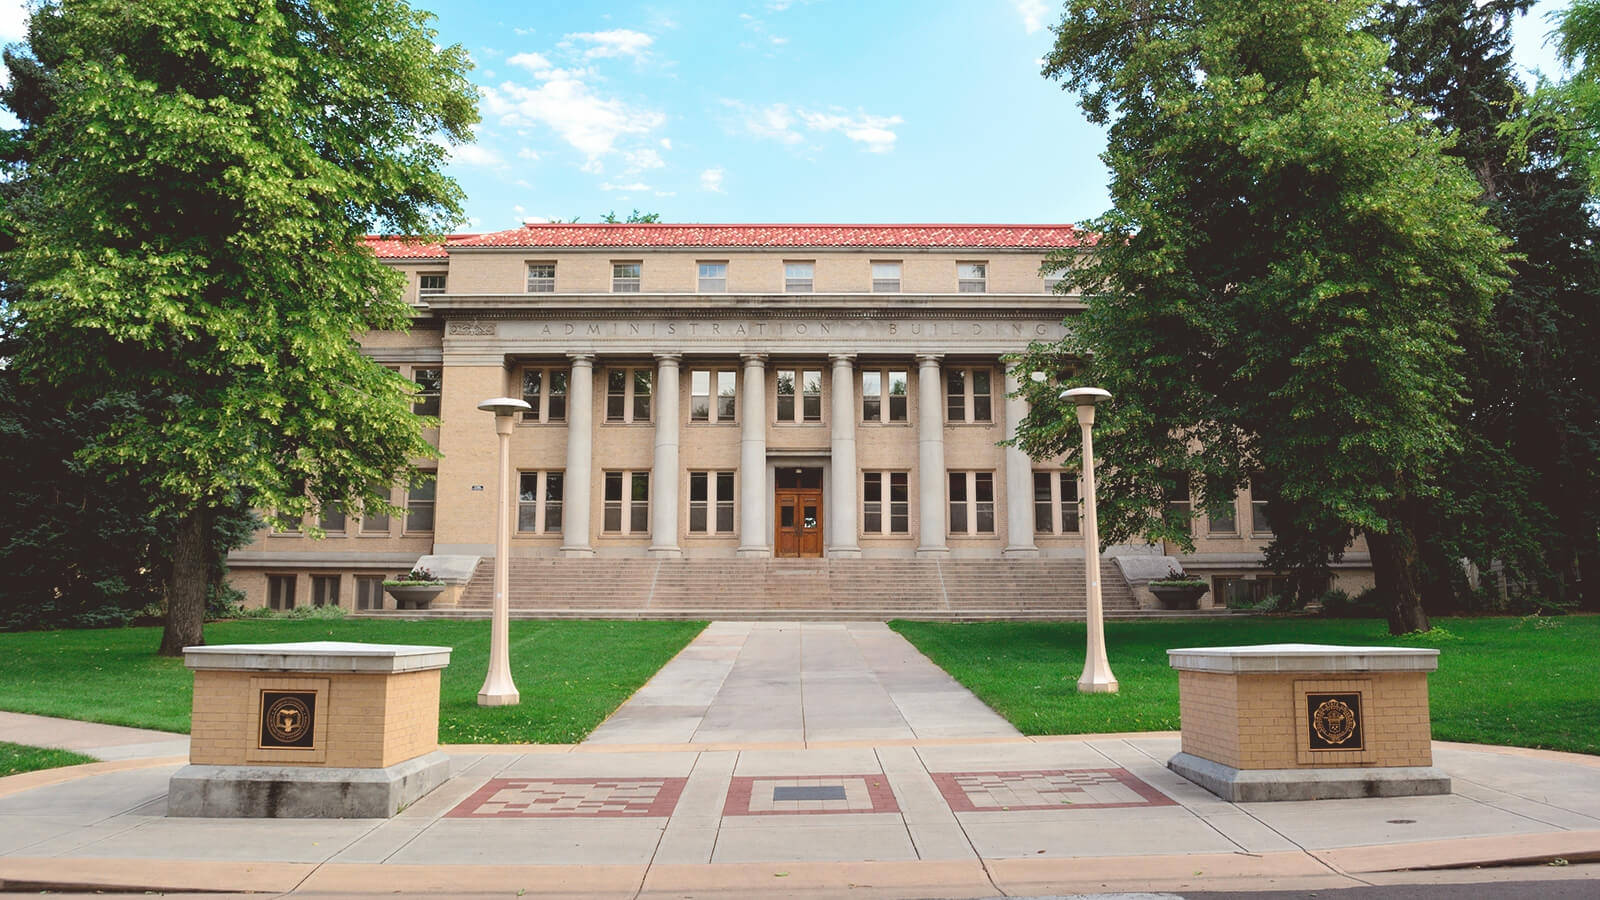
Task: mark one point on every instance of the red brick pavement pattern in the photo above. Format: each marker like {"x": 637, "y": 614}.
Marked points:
{"x": 1046, "y": 789}
{"x": 547, "y": 798}
{"x": 753, "y": 796}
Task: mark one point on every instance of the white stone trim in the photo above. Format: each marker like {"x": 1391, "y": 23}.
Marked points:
{"x": 318, "y": 656}
{"x": 1319, "y": 658}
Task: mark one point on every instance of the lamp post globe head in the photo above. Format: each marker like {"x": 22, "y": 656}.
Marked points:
{"x": 505, "y": 406}
{"x": 1085, "y": 395}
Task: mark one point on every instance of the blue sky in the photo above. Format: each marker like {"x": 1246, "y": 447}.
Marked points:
{"x": 776, "y": 111}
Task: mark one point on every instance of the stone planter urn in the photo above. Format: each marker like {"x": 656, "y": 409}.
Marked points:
{"x": 1179, "y": 596}
{"x": 414, "y": 596}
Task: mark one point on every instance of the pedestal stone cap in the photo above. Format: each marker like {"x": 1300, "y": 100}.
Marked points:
{"x": 1322, "y": 658}
{"x": 318, "y": 656}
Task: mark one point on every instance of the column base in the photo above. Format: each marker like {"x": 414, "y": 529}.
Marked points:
{"x": 1262, "y": 785}
{"x": 665, "y": 552}
{"x": 1090, "y": 686}
{"x": 303, "y": 792}
{"x": 933, "y": 552}
{"x": 577, "y": 551}
{"x": 501, "y": 698}
{"x": 754, "y": 552}
{"x": 1020, "y": 553}
{"x": 843, "y": 553}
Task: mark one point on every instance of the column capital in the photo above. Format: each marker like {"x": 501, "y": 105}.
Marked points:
{"x": 929, "y": 359}
{"x": 753, "y": 359}
{"x": 848, "y": 359}
{"x": 581, "y": 357}
{"x": 673, "y": 358}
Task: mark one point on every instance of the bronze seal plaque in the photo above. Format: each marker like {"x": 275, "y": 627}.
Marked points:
{"x": 1335, "y": 721}
{"x": 287, "y": 719}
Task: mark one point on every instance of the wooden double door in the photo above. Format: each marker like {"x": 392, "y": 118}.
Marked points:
{"x": 797, "y": 513}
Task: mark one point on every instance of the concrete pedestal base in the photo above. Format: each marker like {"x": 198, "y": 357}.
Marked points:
{"x": 303, "y": 792}
{"x": 1258, "y": 785}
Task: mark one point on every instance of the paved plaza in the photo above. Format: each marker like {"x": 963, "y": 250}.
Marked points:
{"x": 814, "y": 798}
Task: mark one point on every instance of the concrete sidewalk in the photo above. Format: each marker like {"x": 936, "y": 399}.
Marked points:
{"x": 925, "y": 818}
{"x": 105, "y": 742}
{"x": 762, "y": 682}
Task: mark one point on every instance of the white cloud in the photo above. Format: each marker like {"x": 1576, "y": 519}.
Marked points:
{"x": 592, "y": 166}
{"x": 666, "y": 143}
{"x": 536, "y": 220}
{"x": 643, "y": 159}
{"x": 631, "y": 186}
{"x": 711, "y": 180}
{"x": 589, "y": 122}
{"x": 13, "y": 21}
{"x": 873, "y": 131}
{"x": 779, "y": 122}
{"x": 1032, "y": 12}
{"x": 533, "y": 62}
{"x": 475, "y": 155}
{"x": 529, "y": 154}
{"x": 524, "y": 32}
{"x": 780, "y": 41}
{"x": 666, "y": 193}
{"x": 616, "y": 42}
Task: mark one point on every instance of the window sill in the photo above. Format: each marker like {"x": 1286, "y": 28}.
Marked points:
{"x": 613, "y": 422}
{"x": 950, "y": 424}
{"x": 981, "y": 536}
{"x": 710, "y": 536}
{"x": 695, "y": 424}
{"x": 881, "y": 424}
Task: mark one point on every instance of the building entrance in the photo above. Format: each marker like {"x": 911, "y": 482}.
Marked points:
{"x": 797, "y": 508}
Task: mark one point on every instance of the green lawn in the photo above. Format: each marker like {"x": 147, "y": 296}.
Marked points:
{"x": 1525, "y": 682}
{"x": 571, "y": 674}
{"x": 18, "y": 758}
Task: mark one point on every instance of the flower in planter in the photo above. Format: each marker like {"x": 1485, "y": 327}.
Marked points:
{"x": 418, "y": 575}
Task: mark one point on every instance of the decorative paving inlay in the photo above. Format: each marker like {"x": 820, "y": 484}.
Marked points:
{"x": 1046, "y": 789}
{"x": 783, "y": 795}
{"x": 521, "y": 798}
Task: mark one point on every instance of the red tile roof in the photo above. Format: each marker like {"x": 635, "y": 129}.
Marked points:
{"x": 1028, "y": 237}
{"x": 395, "y": 246}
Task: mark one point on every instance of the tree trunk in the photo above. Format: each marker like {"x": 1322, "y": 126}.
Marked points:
{"x": 1394, "y": 569}
{"x": 186, "y": 591}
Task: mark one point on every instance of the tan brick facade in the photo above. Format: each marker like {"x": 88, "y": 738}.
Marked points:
{"x": 1259, "y": 721}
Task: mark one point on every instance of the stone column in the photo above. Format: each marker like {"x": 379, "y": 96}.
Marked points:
{"x": 755, "y": 519}
{"x": 664, "y": 505}
{"x": 842, "y": 539}
{"x": 580, "y": 451}
{"x": 1019, "y": 479}
{"x": 930, "y": 457}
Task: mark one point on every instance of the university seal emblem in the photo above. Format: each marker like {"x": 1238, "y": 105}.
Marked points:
{"x": 1335, "y": 722}
{"x": 287, "y": 718}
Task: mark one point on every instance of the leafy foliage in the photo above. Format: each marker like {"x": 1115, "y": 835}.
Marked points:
{"x": 201, "y": 177}
{"x": 1280, "y": 285}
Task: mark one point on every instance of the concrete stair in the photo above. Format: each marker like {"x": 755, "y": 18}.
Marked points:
{"x": 958, "y": 590}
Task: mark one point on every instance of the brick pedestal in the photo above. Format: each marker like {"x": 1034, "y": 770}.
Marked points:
{"x": 1306, "y": 721}
{"x": 311, "y": 730}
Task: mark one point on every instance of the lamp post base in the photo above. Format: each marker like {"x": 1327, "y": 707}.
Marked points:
{"x": 1088, "y": 685}
{"x": 487, "y": 698}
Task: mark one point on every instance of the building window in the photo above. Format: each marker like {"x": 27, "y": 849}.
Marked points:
{"x": 1180, "y": 505}
{"x": 539, "y": 502}
{"x": 419, "y": 504}
{"x": 628, "y": 395}
{"x": 1258, "y": 515}
{"x": 886, "y": 278}
{"x": 808, "y": 382}
{"x": 1224, "y": 520}
{"x": 972, "y": 503}
{"x": 1051, "y": 281}
{"x": 283, "y": 523}
{"x": 324, "y": 590}
{"x": 627, "y": 513}
{"x": 797, "y": 277}
{"x": 711, "y": 502}
{"x": 878, "y": 518}
{"x": 280, "y": 591}
{"x": 703, "y": 406}
{"x": 332, "y": 520}
{"x": 542, "y": 278}
{"x": 972, "y": 277}
{"x": 1055, "y": 502}
{"x": 713, "y": 277}
{"x": 430, "y": 285}
{"x": 625, "y": 277}
{"x": 369, "y": 592}
{"x": 545, "y": 390}
{"x": 969, "y": 390}
{"x": 873, "y": 407}
{"x": 430, "y": 382}
{"x": 373, "y": 522}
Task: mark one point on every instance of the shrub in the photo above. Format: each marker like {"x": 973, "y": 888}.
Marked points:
{"x": 317, "y": 612}
{"x": 1368, "y": 604}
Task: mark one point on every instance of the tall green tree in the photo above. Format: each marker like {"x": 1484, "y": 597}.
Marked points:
{"x": 1280, "y": 283}
{"x": 201, "y": 177}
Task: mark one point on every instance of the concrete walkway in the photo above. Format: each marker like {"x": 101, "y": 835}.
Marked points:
{"x": 105, "y": 742}
{"x": 766, "y": 682}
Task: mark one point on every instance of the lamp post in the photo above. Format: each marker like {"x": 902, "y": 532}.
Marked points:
{"x": 1096, "y": 677}
{"x": 498, "y": 688}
